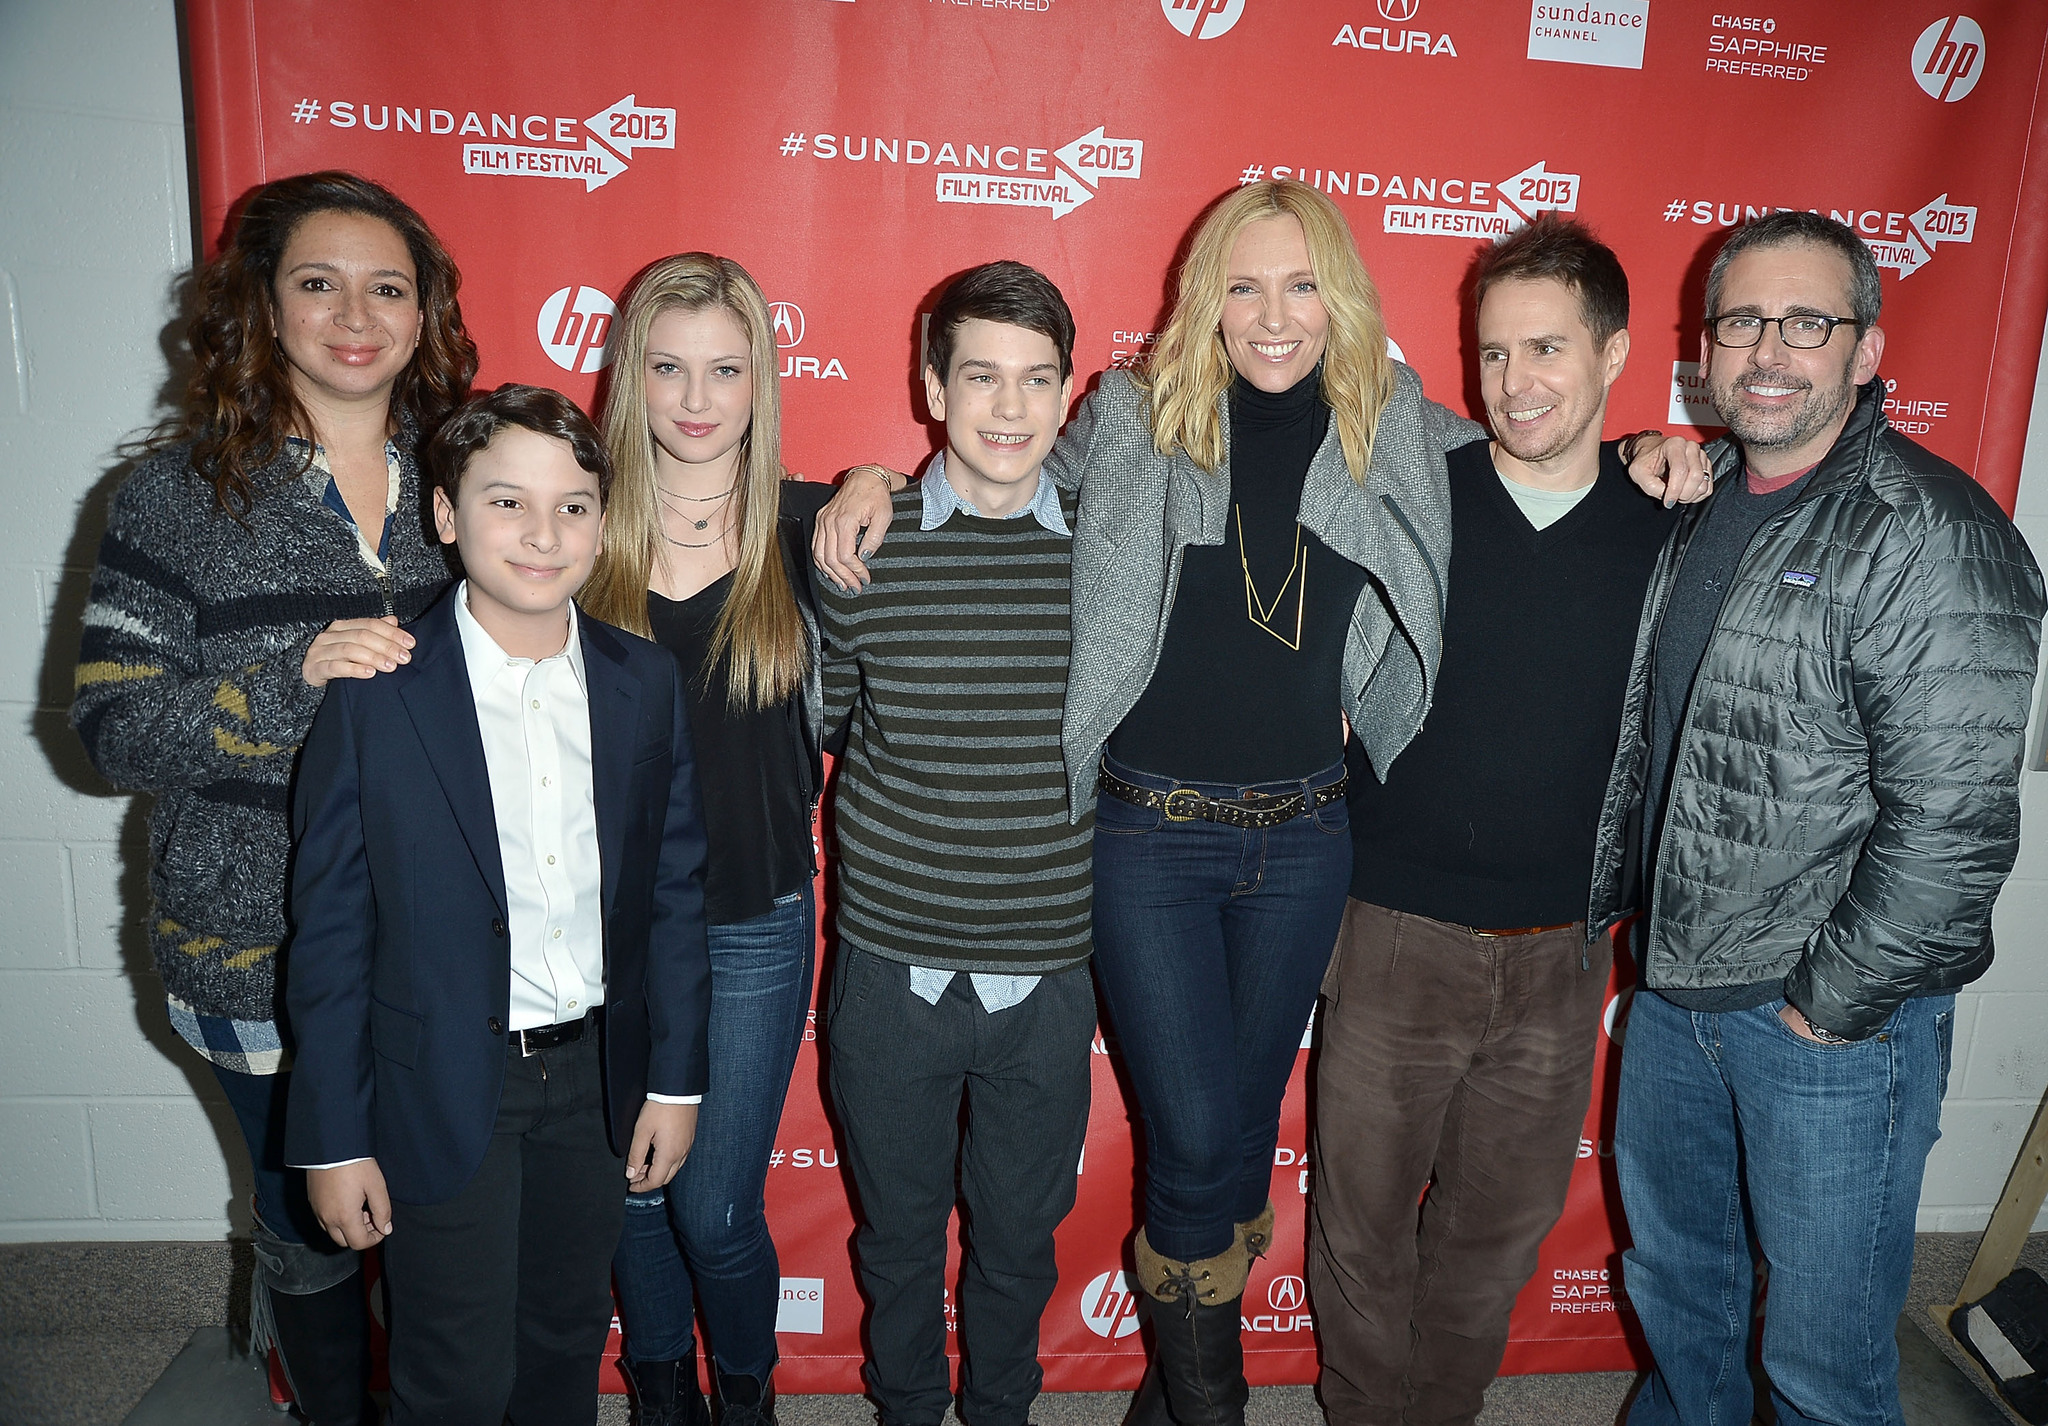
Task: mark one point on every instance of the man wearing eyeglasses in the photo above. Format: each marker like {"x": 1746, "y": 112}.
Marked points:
{"x": 1823, "y": 738}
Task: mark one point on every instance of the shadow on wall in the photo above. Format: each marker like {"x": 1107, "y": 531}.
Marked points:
{"x": 66, "y": 756}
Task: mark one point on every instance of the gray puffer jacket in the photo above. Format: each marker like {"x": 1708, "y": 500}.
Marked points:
{"x": 1844, "y": 800}
{"x": 1140, "y": 511}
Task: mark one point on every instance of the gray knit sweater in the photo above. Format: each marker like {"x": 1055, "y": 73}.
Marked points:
{"x": 954, "y": 845}
{"x": 189, "y": 686}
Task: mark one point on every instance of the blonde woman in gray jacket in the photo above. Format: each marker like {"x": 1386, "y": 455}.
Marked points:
{"x": 1259, "y": 563}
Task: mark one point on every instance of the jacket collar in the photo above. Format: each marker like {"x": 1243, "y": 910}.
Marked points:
{"x": 437, "y": 694}
{"x": 1848, "y": 460}
{"x": 1331, "y": 501}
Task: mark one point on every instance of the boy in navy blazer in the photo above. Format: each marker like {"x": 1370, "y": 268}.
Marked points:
{"x": 499, "y": 983}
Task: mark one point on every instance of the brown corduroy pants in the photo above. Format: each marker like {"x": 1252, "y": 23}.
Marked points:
{"x": 1463, "y": 1063}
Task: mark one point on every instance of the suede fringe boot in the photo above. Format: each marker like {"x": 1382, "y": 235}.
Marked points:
{"x": 323, "y": 1339}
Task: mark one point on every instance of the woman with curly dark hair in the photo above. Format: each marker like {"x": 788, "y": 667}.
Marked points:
{"x": 272, "y": 540}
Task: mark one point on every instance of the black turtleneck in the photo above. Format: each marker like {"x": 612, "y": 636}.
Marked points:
{"x": 1230, "y": 702}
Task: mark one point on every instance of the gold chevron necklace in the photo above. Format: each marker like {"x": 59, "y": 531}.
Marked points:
{"x": 1259, "y": 611}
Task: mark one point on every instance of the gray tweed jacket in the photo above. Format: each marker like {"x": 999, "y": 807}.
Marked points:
{"x": 1139, "y": 511}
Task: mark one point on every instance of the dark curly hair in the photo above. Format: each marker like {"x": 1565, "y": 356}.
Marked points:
{"x": 239, "y": 406}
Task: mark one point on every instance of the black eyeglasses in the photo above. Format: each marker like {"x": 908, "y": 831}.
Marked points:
{"x": 1802, "y": 330}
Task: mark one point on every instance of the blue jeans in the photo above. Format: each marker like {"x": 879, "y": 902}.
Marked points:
{"x": 709, "y": 1225}
{"x": 1210, "y": 943}
{"x": 1730, "y": 1125}
{"x": 258, "y": 1101}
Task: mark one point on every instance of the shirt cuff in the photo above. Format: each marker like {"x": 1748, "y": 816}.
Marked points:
{"x": 337, "y": 1164}
{"x": 654, "y": 1098}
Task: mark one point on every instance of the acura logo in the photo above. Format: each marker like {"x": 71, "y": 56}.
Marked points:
{"x": 1285, "y": 1294}
{"x": 1399, "y": 9}
{"x": 786, "y": 320}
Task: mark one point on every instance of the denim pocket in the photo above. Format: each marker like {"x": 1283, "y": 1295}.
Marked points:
{"x": 1125, "y": 819}
{"x": 1334, "y": 819}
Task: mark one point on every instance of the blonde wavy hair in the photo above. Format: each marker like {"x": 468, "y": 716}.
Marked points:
{"x": 1189, "y": 369}
{"x": 759, "y": 641}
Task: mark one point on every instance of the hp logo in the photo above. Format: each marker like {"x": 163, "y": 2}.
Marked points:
{"x": 573, "y": 326}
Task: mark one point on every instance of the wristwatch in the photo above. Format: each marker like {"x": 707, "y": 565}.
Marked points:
{"x": 1826, "y": 1037}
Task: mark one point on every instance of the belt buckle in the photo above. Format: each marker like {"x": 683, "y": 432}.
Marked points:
{"x": 1166, "y": 805}
{"x": 526, "y": 1051}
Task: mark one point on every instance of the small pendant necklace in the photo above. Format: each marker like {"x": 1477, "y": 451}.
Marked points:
{"x": 703, "y": 524}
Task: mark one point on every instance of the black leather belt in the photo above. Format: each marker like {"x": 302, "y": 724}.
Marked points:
{"x": 1254, "y": 811}
{"x": 547, "y": 1037}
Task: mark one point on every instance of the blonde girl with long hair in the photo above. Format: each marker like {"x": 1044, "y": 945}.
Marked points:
{"x": 1259, "y": 562}
{"x": 705, "y": 551}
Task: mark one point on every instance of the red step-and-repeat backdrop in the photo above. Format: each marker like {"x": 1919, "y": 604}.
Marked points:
{"x": 854, "y": 154}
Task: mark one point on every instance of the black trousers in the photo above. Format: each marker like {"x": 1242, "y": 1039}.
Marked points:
{"x": 898, "y": 1072}
{"x": 501, "y": 1296}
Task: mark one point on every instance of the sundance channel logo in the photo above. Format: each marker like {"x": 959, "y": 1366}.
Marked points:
{"x": 802, "y": 1306}
{"x": 1609, "y": 33}
{"x": 1004, "y": 175}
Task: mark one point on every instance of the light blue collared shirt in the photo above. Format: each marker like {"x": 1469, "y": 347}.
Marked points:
{"x": 928, "y": 983}
{"x": 941, "y": 500}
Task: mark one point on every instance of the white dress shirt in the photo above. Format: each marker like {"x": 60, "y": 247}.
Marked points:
{"x": 534, "y": 715}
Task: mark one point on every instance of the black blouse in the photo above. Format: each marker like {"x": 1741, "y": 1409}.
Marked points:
{"x": 1238, "y": 698}
{"x": 757, "y": 819}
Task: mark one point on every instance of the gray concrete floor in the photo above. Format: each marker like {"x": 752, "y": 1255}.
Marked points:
{"x": 86, "y": 1331}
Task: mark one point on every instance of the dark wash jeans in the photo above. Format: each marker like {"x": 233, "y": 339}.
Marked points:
{"x": 1730, "y": 1125}
{"x": 898, "y": 1072}
{"x": 1464, "y": 1063}
{"x": 1210, "y": 942}
{"x": 709, "y": 1226}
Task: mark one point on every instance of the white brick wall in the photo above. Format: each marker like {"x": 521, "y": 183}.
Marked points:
{"x": 109, "y": 1127}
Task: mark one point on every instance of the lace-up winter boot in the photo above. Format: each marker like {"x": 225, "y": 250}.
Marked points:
{"x": 746, "y": 1400}
{"x": 1198, "y": 1354}
{"x": 666, "y": 1393}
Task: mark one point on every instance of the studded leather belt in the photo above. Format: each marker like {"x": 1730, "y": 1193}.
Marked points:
{"x": 1254, "y": 811}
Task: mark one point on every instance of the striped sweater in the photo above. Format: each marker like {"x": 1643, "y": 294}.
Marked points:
{"x": 189, "y": 686}
{"x": 950, "y": 671}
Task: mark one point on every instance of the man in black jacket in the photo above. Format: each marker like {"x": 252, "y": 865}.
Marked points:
{"x": 1822, "y": 739}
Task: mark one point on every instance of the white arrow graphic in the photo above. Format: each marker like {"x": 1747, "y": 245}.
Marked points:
{"x": 595, "y": 165}
{"x": 1940, "y": 223}
{"x": 1537, "y": 190}
{"x": 1062, "y": 192}
{"x": 1094, "y": 157}
{"x": 626, "y": 126}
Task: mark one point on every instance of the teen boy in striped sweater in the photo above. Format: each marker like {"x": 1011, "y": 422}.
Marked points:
{"x": 963, "y": 888}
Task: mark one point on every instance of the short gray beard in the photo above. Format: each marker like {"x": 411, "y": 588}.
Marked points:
{"x": 1816, "y": 417}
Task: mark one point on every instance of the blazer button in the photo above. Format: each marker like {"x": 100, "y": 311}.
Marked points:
{"x": 497, "y": 927}
{"x": 497, "y": 1025}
